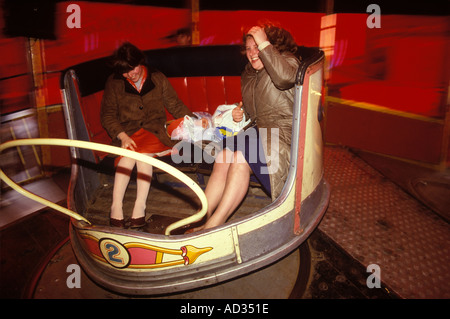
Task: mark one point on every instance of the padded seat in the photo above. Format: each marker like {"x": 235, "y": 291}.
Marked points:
{"x": 201, "y": 83}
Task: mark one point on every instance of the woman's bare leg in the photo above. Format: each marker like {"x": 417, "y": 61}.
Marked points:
{"x": 121, "y": 180}
{"x": 216, "y": 183}
{"x": 144, "y": 178}
{"x": 236, "y": 187}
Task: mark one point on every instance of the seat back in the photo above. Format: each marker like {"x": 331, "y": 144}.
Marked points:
{"x": 203, "y": 76}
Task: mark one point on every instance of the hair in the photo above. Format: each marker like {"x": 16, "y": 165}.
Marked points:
{"x": 126, "y": 58}
{"x": 280, "y": 38}
{"x": 184, "y": 31}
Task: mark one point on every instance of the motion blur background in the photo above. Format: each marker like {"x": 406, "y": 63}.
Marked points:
{"x": 388, "y": 84}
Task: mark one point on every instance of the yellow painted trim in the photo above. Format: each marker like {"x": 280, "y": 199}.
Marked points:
{"x": 29, "y": 180}
{"x": 236, "y": 244}
{"x": 272, "y": 215}
{"x": 218, "y": 245}
{"x": 37, "y": 58}
{"x": 19, "y": 152}
{"x": 382, "y": 109}
{"x": 436, "y": 167}
{"x": 88, "y": 236}
{"x": 27, "y": 129}
{"x": 159, "y": 257}
{"x": 312, "y": 158}
{"x": 53, "y": 108}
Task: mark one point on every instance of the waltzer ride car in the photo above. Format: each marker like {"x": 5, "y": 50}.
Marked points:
{"x": 137, "y": 262}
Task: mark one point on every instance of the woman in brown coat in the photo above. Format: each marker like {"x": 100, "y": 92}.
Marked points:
{"x": 267, "y": 85}
{"x": 133, "y": 114}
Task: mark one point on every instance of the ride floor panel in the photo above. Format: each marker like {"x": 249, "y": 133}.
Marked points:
{"x": 377, "y": 222}
{"x": 168, "y": 201}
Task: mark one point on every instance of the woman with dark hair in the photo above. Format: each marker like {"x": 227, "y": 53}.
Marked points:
{"x": 267, "y": 86}
{"x": 133, "y": 114}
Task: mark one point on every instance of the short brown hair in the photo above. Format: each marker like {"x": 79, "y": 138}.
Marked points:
{"x": 126, "y": 58}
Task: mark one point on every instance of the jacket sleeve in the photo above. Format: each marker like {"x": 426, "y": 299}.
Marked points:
{"x": 109, "y": 112}
{"x": 171, "y": 100}
{"x": 282, "y": 68}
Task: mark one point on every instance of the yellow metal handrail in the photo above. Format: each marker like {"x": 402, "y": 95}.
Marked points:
{"x": 107, "y": 149}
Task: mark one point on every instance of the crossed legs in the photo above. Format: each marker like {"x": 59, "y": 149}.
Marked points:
{"x": 121, "y": 180}
{"x": 227, "y": 187}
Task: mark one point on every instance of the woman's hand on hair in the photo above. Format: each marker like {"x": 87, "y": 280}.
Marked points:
{"x": 258, "y": 34}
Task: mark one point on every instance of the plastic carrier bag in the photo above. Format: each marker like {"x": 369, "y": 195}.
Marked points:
{"x": 223, "y": 121}
{"x": 193, "y": 129}
{"x": 208, "y": 127}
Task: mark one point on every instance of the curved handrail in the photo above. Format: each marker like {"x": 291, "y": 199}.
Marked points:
{"x": 107, "y": 149}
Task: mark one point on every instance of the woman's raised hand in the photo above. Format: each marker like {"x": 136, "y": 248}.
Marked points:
{"x": 238, "y": 113}
{"x": 258, "y": 34}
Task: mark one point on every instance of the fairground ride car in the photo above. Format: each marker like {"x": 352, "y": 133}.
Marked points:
{"x": 138, "y": 263}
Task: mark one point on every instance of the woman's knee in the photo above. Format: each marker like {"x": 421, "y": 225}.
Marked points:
{"x": 144, "y": 166}
{"x": 224, "y": 157}
{"x": 240, "y": 163}
{"x": 126, "y": 162}
{"x": 125, "y": 166}
{"x": 222, "y": 163}
{"x": 239, "y": 158}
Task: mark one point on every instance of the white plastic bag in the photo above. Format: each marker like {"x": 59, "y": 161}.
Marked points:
{"x": 193, "y": 129}
{"x": 219, "y": 126}
{"x": 223, "y": 121}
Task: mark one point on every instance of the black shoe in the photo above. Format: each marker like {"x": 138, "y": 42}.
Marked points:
{"x": 137, "y": 222}
{"x": 117, "y": 223}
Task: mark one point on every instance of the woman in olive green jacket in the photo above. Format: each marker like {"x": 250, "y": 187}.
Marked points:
{"x": 267, "y": 85}
{"x": 133, "y": 113}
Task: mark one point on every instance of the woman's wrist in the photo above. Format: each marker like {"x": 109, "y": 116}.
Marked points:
{"x": 263, "y": 45}
{"x": 122, "y": 135}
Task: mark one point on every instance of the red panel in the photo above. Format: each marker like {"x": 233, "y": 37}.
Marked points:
{"x": 15, "y": 94}
{"x": 233, "y": 89}
{"x": 197, "y": 94}
{"x": 60, "y": 155}
{"x": 13, "y": 56}
{"x": 91, "y": 110}
{"x": 383, "y": 133}
{"x": 350, "y": 39}
{"x": 53, "y": 88}
{"x": 215, "y": 90}
{"x": 105, "y": 25}
{"x": 300, "y": 155}
{"x": 427, "y": 51}
{"x": 181, "y": 87}
{"x": 227, "y": 27}
{"x": 418, "y": 100}
{"x": 405, "y": 67}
